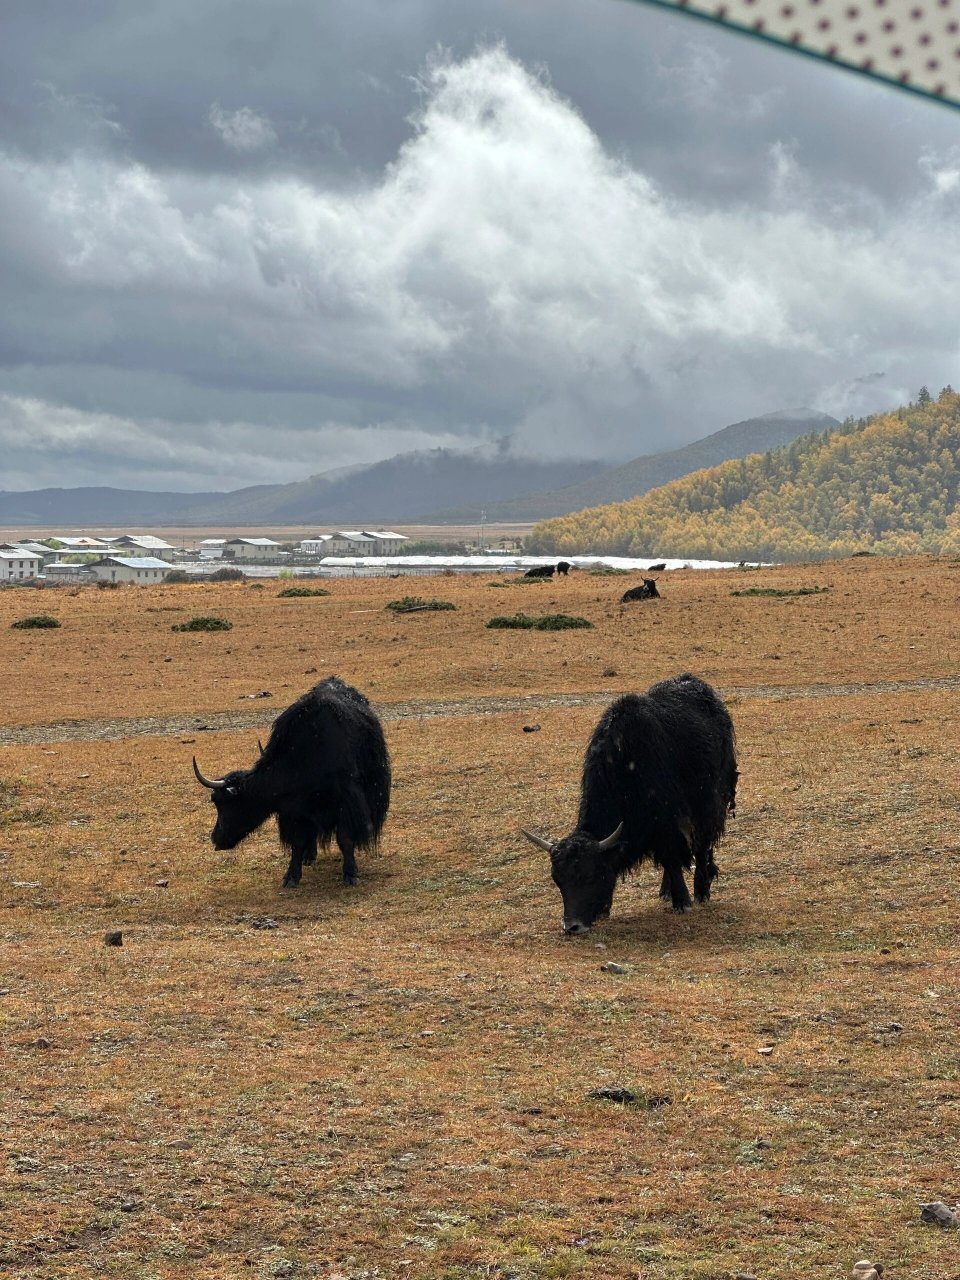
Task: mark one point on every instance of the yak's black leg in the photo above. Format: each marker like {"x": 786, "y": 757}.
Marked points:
{"x": 665, "y": 886}
{"x": 707, "y": 870}
{"x": 674, "y": 856}
{"x": 300, "y": 838}
{"x": 349, "y": 861}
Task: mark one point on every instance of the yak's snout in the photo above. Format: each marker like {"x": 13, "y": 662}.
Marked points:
{"x": 572, "y": 927}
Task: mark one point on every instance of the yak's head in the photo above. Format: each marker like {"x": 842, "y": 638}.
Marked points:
{"x": 240, "y": 807}
{"x": 585, "y": 872}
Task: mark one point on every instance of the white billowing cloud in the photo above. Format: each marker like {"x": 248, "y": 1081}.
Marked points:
{"x": 47, "y": 444}
{"x": 505, "y": 264}
{"x": 243, "y": 130}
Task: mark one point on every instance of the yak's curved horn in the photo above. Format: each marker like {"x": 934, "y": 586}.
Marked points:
{"x": 612, "y": 839}
{"x": 538, "y": 840}
{"x": 260, "y": 745}
{"x": 215, "y": 785}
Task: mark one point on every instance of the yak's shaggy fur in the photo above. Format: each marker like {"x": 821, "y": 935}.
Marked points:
{"x": 660, "y": 774}
{"x": 325, "y": 773}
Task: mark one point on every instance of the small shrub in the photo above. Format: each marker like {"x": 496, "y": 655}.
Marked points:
{"x": 256, "y": 586}
{"x": 604, "y": 571}
{"x": 512, "y": 622}
{"x": 413, "y": 604}
{"x": 227, "y": 575}
{"x": 496, "y": 584}
{"x": 780, "y": 591}
{"x": 549, "y": 622}
{"x": 178, "y": 576}
{"x": 104, "y": 585}
{"x": 289, "y": 593}
{"x": 36, "y": 621}
{"x": 203, "y": 624}
{"x": 561, "y": 622}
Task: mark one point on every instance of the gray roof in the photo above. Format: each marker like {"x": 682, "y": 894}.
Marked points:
{"x": 135, "y": 562}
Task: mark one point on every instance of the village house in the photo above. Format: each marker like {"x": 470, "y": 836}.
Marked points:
{"x": 251, "y": 549}
{"x": 385, "y": 542}
{"x": 141, "y": 544}
{"x": 318, "y": 545}
{"x": 137, "y": 569}
{"x": 352, "y": 542}
{"x": 18, "y": 566}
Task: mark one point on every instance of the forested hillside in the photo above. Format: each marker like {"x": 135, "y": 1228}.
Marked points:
{"x": 886, "y": 484}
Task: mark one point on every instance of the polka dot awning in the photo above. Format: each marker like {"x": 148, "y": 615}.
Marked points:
{"x": 914, "y": 44}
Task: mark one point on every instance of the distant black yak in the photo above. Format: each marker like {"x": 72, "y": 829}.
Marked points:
{"x": 325, "y": 772}
{"x": 659, "y": 778}
{"x": 657, "y": 568}
{"x": 563, "y": 567}
{"x": 646, "y": 592}
{"x": 540, "y": 571}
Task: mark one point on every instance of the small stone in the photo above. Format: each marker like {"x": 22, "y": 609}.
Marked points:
{"x": 611, "y": 966}
{"x": 41, "y": 1042}
{"x": 161, "y": 884}
{"x": 263, "y": 922}
{"x": 613, "y": 1095}
{"x": 866, "y": 1270}
{"x": 129, "y": 1206}
{"x": 766, "y": 1050}
{"x": 113, "y": 939}
{"x": 25, "y": 1164}
{"x": 531, "y": 728}
{"x": 83, "y": 775}
{"x": 939, "y": 1214}
{"x": 609, "y": 672}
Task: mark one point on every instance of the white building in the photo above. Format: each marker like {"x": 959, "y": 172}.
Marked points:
{"x": 386, "y": 543}
{"x": 81, "y": 545}
{"x": 251, "y": 549}
{"x": 18, "y": 566}
{"x": 318, "y": 545}
{"x": 211, "y": 548}
{"x": 61, "y": 571}
{"x": 352, "y": 542}
{"x": 138, "y": 569}
{"x": 141, "y": 544}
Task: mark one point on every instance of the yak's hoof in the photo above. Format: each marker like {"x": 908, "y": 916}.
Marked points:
{"x": 290, "y": 881}
{"x": 682, "y": 907}
{"x": 350, "y": 877}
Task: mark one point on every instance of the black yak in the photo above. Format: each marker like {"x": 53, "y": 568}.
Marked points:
{"x": 325, "y": 772}
{"x": 540, "y": 571}
{"x": 658, "y": 567}
{"x": 564, "y": 567}
{"x": 648, "y": 591}
{"x": 659, "y": 777}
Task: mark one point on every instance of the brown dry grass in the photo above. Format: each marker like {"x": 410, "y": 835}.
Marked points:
{"x": 115, "y": 654}
{"x": 394, "y": 1081}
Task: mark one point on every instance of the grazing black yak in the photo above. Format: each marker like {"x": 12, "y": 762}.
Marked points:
{"x": 540, "y": 571}
{"x": 659, "y": 777}
{"x": 325, "y": 772}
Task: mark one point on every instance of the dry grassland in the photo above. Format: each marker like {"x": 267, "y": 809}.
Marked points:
{"x": 394, "y": 1081}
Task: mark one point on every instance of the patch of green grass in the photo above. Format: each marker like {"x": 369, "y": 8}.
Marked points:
{"x": 36, "y": 621}
{"x": 548, "y": 622}
{"x": 289, "y": 593}
{"x": 203, "y": 624}
{"x": 416, "y": 604}
{"x": 780, "y": 591}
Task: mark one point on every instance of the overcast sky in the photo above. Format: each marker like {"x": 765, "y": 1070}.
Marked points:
{"x": 244, "y": 241}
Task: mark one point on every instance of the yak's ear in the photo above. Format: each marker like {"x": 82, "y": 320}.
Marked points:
{"x": 612, "y": 839}
{"x": 538, "y": 841}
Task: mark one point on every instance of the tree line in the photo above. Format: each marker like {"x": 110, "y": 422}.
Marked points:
{"x": 887, "y": 483}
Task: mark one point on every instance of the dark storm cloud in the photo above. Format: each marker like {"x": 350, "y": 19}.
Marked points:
{"x": 246, "y": 241}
